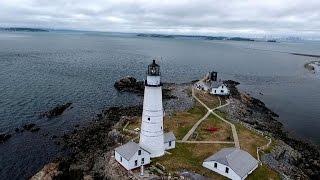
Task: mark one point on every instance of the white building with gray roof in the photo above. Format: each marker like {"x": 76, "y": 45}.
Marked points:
{"x": 131, "y": 155}
{"x": 233, "y": 163}
{"x": 219, "y": 88}
{"x": 210, "y": 84}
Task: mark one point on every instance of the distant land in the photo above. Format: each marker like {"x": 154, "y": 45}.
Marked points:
{"x": 201, "y": 37}
{"x": 24, "y": 29}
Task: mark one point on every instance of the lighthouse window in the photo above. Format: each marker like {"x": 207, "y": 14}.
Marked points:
{"x": 161, "y": 127}
{"x": 148, "y": 118}
{"x": 139, "y": 152}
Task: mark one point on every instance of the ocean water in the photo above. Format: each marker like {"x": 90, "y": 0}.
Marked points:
{"x": 41, "y": 70}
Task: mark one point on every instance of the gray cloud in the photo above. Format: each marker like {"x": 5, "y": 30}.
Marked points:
{"x": 293, "y": 17}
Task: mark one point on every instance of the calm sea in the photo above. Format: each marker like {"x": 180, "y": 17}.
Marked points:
{"x": 41, "y": 70}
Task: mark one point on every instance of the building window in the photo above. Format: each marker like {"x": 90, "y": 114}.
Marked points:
{"x": 120, "y": 159}
{"x": 169, "y": 143}
{"x": 142, "y": 161}
{"x": 139, "y": 152}
{"x": 222, "y": 91}
{"x": 215, "y": 91}
{"x": 161, "y": 127}
{"x": 136, "y": 163}
{"x": 215, "y": 165}
{"x": 148, "y": 118}
{"x": 227, "y": 170}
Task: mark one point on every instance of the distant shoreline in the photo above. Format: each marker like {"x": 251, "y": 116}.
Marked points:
{"x": 200, "y": 37}
{"x": 308, "y": 55}
{"x": 19, "y": 29}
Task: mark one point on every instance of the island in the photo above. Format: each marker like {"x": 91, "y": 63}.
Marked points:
{"x": 20, "y": 29}
{"x": 202, "y": 123}
{"x": 196, "y": 37}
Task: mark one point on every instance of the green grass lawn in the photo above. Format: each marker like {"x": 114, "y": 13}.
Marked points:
{"x": 264, "y": 173}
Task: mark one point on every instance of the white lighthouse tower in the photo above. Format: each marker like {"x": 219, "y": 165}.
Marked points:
{"x": 151, "y": 135}
{"x": 153, "y": 142}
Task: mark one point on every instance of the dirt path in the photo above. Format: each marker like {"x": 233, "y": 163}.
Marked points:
{"x": 210, "y": 111}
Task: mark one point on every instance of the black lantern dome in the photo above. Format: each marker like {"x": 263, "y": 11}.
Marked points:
{"x": 153, "y": 69}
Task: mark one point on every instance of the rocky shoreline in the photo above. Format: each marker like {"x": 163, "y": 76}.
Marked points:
{"x": 291, "y": 157}
{"x": 91, "y": 148}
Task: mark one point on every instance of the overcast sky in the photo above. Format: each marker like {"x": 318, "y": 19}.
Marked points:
{"x": 206, "y": 17}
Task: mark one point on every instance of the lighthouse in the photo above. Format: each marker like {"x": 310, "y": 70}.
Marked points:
{"x": 153, "y": 141}
{"x": 151, "y": 134}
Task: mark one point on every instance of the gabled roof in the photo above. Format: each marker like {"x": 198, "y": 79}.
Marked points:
{"x": 169, "y": 137}
{"x": 216, "y": 84}
{"x": 128, "y": 150}
{"x": 241, "y": 162}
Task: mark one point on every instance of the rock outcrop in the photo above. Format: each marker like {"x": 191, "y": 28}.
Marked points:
{"x": 57, "y": 111}
{"x": 48, "y": 172}
{"x": 90, "y": 147}
{"x": 130, "y": 84}
{"x": 4, "y": 137}
{"x": 294, "y": 158}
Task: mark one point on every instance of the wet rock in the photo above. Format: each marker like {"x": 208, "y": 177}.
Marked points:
{"x": 28, "y": 127}
{"x": 35, "y": 129}
{"x": 57, "y": 111}
{"x": 4, "y": 137}
{"x": 129, "y": 84}
{"x": 49, "y": 171}
{"x": 17, "y": 130}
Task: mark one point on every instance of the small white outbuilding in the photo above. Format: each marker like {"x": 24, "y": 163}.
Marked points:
{"x": 219, "y": 88}
{"x": 232, "y": 163}
{"x": 131, "y": 155}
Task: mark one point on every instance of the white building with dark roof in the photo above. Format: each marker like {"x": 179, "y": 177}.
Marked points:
{"x": 233, "y": 163}
{"x": 219, "y": 88}
{"x": 210, "y": 84}
{"x": 131, "y": 155}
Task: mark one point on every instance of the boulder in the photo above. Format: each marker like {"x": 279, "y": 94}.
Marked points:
{"x": 129, "y": 84}
{"x": 57, "y": 111}
{"x": 49, "y": 171}
{"x": 28, "y": 127}
{"x": 35, "y": 129}
{"x": 4, "y": 137}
